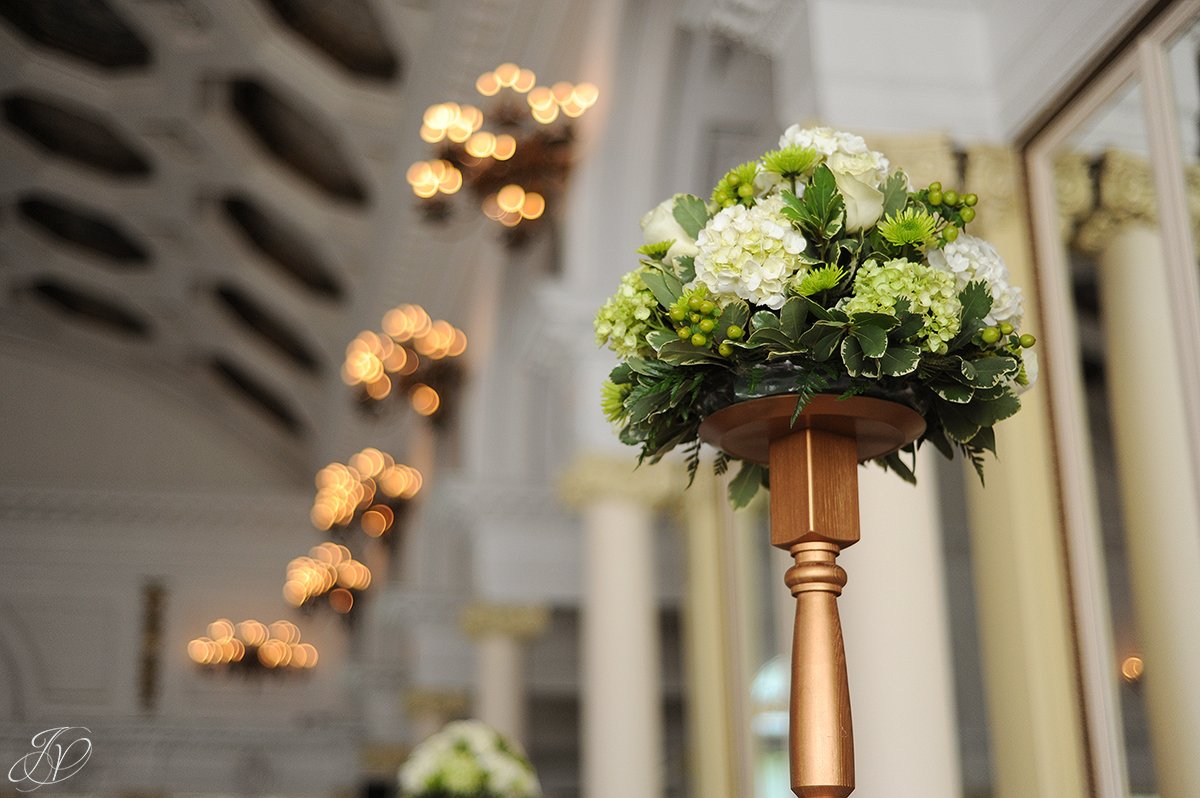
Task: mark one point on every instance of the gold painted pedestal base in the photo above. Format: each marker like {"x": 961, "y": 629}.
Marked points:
{"x": 814, "y": 515}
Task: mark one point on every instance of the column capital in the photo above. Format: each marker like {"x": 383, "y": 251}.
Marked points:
{"x": 522, "y": 622}
{"x": 594, "y": 476}
{"x": 434, "y": 701}
{"x": 924, "y": 157}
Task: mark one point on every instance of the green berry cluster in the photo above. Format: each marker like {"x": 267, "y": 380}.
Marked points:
{"x": 991, "y": 336}
{"x": 957, "y": 210}
{"x": 737, "y": 186}
{"x": 696, "y": 317}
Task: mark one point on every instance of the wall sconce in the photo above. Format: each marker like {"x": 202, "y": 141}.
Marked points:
{"x": 414, "y": 357}
{"x": 329, "y": 576}
{"x": 373, "y": 490}
{"x": 253, "y": 648}
{"x": 514, "y": 170}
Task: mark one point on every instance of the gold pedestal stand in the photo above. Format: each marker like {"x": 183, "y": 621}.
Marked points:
{"x": 814, "y": 515}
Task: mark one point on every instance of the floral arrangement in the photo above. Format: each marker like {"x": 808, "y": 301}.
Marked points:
{"x": 468, "y": 759}
{"x": 816, "y": 268}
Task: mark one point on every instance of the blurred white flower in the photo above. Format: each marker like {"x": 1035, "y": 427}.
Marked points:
{"x": 660, "y": 225}
{"x": 969, "y": 258}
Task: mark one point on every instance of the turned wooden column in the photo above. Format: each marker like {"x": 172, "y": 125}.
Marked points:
{"x": 814, "y": 515}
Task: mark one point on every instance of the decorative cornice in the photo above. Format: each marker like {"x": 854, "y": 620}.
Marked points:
{"x": 594, "y": 477}
{"x": 1125, "y": 192}
{"x": 1074, "y": 189}
{"x": 518, "y": 621}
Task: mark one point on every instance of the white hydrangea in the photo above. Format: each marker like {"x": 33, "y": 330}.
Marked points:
{"x": 845, "y": 153}
{"x": 969, "y": 258}
{"x": 468, "y": 758}
{"x": 750, "y": 253}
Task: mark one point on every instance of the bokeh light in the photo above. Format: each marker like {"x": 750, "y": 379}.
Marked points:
{"x": 251, "y": 645}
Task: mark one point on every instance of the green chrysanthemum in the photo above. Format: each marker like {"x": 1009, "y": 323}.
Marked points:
{"x": 910, "y": 226}
{"x": 656, "y": 251}
{"x": 612, "y": 400}
{"x": 823, "y": 279}
{"x": 790, "y": 162}
{"x": 737, "y": 186}
{"x": 623, "y": 322}
{"x": 931, "y": 293}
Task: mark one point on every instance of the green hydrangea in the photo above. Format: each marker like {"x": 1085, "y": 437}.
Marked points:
{"x": 931, "y": 293}
{"x": 623, "y": 322}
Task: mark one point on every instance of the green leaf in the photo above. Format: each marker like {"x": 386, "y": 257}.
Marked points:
{"x": 650, "y": 401}
{"x": 764, "y": 319}
{"x": 821, "y": 312}
{"x": 852, "y": 356}
{"x": 772, "y": 338}
{"x": 621, "y": 374}
{"x": 822, "y": 204}
{"x": 987, "y": 372}
{"x": 985, "y": 414}
{"x": 691, "y": 213}
{"x": 985, "y": 439}
{"x": 937, "y": 436}
{"x": 660, "y": 338}
{"x": 910, "y": 324}
{"x": 895, "y": 194}
{"x": 900, "y": 360}
{"x": 648, "y": 368}
{"x": 745, "y": 485}
{"x": 873, "y": 339}
{"x": 736, "y": 314}
{"x": 682, "y": 353}
{"x": 823, "y": 338}
{"x": 685, "y": 268}
{"x": 976, "y": 302}
{"x": 893, "y": 462}
{"x": 792, "y": 317}
{"x": 954, "y": 418}
{"x": 953, "y": 392}
{"x": 884, "y": 321}
{"x": 665, "y": 287}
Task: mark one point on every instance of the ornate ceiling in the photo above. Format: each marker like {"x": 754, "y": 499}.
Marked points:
{"x": 211, "y": 195}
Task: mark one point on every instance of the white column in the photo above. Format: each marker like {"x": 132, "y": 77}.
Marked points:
{"x": 501, "y": 632}
{"x": 897, "y": 637}
{"x": 622, "y": 698}
{"x": 1028, "y": 638}
{"x": 1158, "y": 483}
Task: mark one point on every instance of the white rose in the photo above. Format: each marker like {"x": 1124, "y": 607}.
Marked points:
{"x": 869, "y": 167}
{"x": 864, "y": 203}
{"x": 660, "y": 225}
